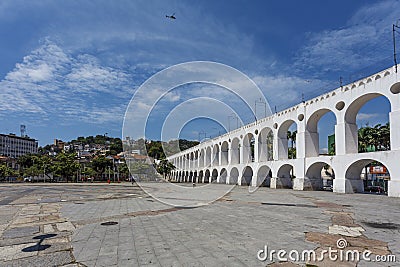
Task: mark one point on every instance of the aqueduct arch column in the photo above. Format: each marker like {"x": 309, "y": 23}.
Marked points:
{"x": 394, "y": 116}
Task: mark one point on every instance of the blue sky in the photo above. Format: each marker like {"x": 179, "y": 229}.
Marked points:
{"x": 70, "y": 68}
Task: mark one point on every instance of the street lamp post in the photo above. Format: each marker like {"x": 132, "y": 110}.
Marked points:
{"x": 255, "y": 107}
{"x": 201, "y": 133}
{"x": 114, "y": 169}
{"x": 233, "y": 115}
{"x": 394, "y": 29}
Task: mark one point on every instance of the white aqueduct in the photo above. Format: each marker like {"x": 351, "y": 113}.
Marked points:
{"x": 229, "y": 158}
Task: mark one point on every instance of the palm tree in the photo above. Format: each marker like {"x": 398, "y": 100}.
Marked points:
{"x": 377, "y": 137}
{"x": 270, "y": 145}
{"x": 385, "y": 136}
{"x": 292, "y": 137}
{"x": 365, "y": 138}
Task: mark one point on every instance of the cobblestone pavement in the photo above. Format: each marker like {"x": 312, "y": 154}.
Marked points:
{"x": 119, "y": 225}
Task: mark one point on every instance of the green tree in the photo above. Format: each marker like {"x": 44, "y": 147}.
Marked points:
{"x": 385, "y": 136}
{"x": 100, "y": 164}
{"x": 123, "y": 170}
{"x": 165, "y": 167}
{"x": 292, "y": 150}
{"x": 6, "y": 171}
{"x": 25, "y": 161}
{"x": 88, "y": 172}
{"x": 155, "y": 150}
{"x": 65, "y": 165}
{"x": 270, "y": 145}
{"x": 139, "y": 167}
{"x": 116, "y": 146}
{"x": 377, "y": 137}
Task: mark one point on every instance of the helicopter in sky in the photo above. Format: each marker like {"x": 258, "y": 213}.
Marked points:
{"x": 171, "y": 16}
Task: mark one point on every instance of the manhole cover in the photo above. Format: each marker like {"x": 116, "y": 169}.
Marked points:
{"x": 109, "y": 223}
{"x": 382, "y": 225}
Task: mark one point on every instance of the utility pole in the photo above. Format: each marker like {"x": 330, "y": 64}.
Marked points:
{"x": 201, "y": 133}
{"x": 255, "y": 107}
{"x": 395, "y": 26}
{"x": 114, "y": 168}
{"x": 233, "y": 115}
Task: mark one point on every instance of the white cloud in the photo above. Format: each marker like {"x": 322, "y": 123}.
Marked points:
{"x": 284, "y": 91}
{"x": 357, "y": 45}
{"x": 367, "y": 116}
{"x": 323, "y": 150}
{"x": 53, "y": 83}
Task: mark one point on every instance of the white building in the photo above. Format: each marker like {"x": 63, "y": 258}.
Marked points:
{"x": 14, "y": 146}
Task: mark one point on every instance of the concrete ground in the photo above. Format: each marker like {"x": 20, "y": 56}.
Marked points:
{"x": 120, "y": 225}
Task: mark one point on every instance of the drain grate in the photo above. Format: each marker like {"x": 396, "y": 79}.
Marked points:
{"x": 109, "y": 223}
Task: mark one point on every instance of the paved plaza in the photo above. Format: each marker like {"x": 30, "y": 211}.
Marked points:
{"x": 120, "y": 225}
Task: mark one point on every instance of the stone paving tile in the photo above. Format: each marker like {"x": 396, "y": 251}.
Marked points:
{"x": 21, "y": 232}
{"x": 8, "y": 253}
{"x": 226, "y": 233}
{"x": 105, "y": 261}
{"x": 65, "y": 226}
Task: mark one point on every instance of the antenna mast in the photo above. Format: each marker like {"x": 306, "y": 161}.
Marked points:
{"x": 23, "y": 130}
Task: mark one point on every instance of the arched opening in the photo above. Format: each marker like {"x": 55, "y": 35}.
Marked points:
{"x": 320, "y": 175}
{"x": 207, "y": 176}
{"x": 367, "y": 175}
{"x": 201, "y": 176}
{"x": 285, "y": 171}
{"x": 265, "y": 145}
{"x": 214, "y": 176}
{"x": 222, "y": 176}
{"x": 186, "y": 177}
{"x": 248, "y": 148}
{"x": 224, "y": 153}
{"x": 247, "y": 176}
{"x": 285, "y": 176}
{"x": 190, "y": 177}
{"x": 264, "y": 175}
{"x": 191, "y": 160}
{"x": 208, "y": 157}
{"x": 215, "y": 155}
{"x": 201, "y": 158}
{"x": 233, "y": 177}
{"x": 367, "y": 121}
{"x": 287, "y": 135}
{"x": 195, "y": 177}
{"x": 320, "y": 133}
{"x": 235, "y": 151}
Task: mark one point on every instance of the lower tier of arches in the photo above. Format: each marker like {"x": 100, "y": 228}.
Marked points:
{"x": 342, "y": 174}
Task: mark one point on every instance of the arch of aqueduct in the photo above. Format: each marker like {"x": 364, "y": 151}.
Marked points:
{"x": 228, "y": 158}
